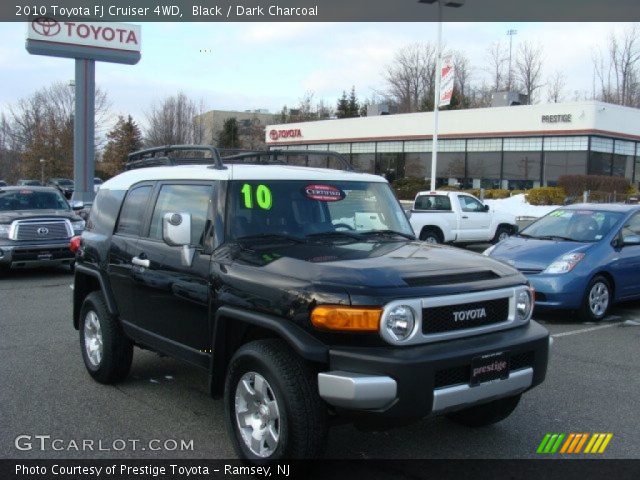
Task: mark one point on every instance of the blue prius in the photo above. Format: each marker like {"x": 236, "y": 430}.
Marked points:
{"x": 580, "y": 257}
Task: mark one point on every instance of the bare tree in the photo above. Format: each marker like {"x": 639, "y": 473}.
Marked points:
{"x": 529, "y": 70}
{"x": 619, "y": 72}
{"x": 410, "y": 77}
{"x": 497, "y": 63}
{"x": 462, "y": 72}
{"x": 41, "y": 126}
{"x": 174, "y": 120}
{"x": 555, "y": 87}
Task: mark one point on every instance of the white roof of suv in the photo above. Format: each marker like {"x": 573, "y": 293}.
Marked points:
{"x": 125, "y": 180}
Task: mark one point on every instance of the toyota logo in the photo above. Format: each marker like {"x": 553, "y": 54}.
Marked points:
{"x": 273, "y": 134}
{"x": 46, "y": 26}
{"x": 42, "y": 231}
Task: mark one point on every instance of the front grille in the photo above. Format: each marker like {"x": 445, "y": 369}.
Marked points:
{"x": 47, "y": 230}
{"x": 443, "y": 319}
{"x": 462, "y": 374}
{"x": 451, "y": 279}
{"x": 530, "y": 271}
{"x": 25, "y": 255}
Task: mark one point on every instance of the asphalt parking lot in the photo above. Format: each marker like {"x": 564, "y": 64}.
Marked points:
{"x": 592, "y": 386}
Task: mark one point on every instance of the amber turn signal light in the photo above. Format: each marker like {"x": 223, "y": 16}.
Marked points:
{"x": 346, "y": 319}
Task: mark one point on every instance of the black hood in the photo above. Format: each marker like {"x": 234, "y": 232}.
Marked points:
{"x": 10, "y": 216}
{"x": 371, "y": 265}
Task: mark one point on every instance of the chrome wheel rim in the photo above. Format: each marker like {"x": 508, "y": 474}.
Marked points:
{"x": 431, "y": 239}
{"x": 503, "y": 236}
{"x": 598, "y": 299}
{"x": 257, "y": 414}
{"x": 93, "y": 338}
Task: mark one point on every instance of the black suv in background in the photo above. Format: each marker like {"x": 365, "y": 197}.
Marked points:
{"x": 302, "y": 293}
{"x": 36, "y": 225}
{"x": 64, "y": 185}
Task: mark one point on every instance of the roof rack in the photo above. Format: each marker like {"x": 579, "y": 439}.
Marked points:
{"x": 278, "y": 157}
{"x": 160, "y": 156}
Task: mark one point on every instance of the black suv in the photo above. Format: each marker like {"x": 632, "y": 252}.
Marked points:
{"x": 65, "y": 186}
{"x": 302, "y": 293}
{"x": 36, "y": 225}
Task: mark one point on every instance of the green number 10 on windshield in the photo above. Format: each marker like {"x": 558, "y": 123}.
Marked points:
{"x": 263, "y": 197}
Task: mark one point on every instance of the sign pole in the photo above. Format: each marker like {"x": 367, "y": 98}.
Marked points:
{"x": 84, "y": 131}
{"x": 436, "y": 100}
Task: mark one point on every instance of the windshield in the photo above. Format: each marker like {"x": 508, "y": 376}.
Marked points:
{"x": 306, "y": 209}
{"x": 64, "y": 181}
{"x": 31, "y": 200}
{"x": 573, "y": 225}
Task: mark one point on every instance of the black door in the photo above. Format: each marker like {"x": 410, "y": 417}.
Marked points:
{"x": 172, "y": 298}
{"x": 123, "y": 248}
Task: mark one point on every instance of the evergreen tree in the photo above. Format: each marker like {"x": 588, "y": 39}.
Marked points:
{"x": 228, "y": 136}
{"x": 124, "y": 138}
{"x": 353, "y": 106}
{"x": 342, "y": 109}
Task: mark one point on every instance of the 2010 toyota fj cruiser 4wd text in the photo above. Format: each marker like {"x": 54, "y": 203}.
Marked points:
{"x": 303, "y": 293}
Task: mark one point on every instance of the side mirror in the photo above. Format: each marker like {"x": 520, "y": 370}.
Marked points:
{"x": 486, "y": 208}
{"x": 77, "y": 205}
{"x": 628, "y": 240}
{"x": 176, "y": 229}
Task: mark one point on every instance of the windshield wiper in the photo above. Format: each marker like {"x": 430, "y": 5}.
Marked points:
{"x": 335, "y": 233}
{"x": 273, "y": 237}
{"x": 557, "y": 237}
{"x": 390, "y": 233}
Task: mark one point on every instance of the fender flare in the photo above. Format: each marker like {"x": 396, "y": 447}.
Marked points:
{"x": 227, "y": 322}
{"x": 106, "y": 291}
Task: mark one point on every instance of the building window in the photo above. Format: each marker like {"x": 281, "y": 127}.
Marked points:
{"x": 603, "y": 145}
{"x": 483, "y": 169}
{"x": 484, "y": 145}
{"x": 417, "y": 164}
{"x": 364, "y": 162}
{"x": 533, "y": 144}
{"x": 623, "y": 159}
{"x": 452, "y": 145}
{"x": 564, "y": 144}
{"x": 450, "y": 168}
{"x": 389, "y": 147}
{"x": 557, "y": 164}
{"x": 363, "y": 147}
{"x": 417, "y": 146}
{"x": 390, "y": 165}
{"x": 521, "y": 170}
{"x": 344, "y": 148}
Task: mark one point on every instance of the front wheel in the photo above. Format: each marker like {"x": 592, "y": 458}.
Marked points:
{"x": 502, "y": 233}
{"x": 272, "y": 406}
{"x": 597, "y": 300}
{"x": 106, "y": 351}
{"x": 485, "y": 414}
{"x": 431, "y": 235}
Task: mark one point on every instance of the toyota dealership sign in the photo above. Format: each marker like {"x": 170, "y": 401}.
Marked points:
{"x": 105, "y": 41}
{"x": 288, "y": 133}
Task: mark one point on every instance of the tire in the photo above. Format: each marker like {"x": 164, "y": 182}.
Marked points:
{"x": 502, "y": 233}
{"x": 485, "y": 414}
{"x": 289, "y": 415}
{"x": 106, "y": 351}
{"x": 596, "y": 301}
{"x": 431, "y": 235}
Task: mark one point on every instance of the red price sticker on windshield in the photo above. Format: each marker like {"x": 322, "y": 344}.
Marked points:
{"x": 323, "y": 193}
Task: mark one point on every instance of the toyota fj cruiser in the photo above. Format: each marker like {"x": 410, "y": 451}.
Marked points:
{"x": 298, "y": 286}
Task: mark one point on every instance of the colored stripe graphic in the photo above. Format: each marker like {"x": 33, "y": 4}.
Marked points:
{"x": 573, "y": 443}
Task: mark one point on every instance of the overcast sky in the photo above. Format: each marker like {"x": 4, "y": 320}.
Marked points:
{"x": 235, "y": 66}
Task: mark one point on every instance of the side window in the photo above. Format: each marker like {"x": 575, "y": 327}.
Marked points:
{"x": 132, "y": 213}
{"x": 470, "y": 204}
{"x": 632, "y": 227}
{"x": 193, "y": 199}
{"x": 433, "y": 202}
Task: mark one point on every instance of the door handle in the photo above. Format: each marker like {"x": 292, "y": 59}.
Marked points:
{"x": 141, "y": 262}
{"x": 464, "y": 216}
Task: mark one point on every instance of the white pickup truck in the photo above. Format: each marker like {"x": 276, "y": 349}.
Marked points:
{"x": 458, "y": 217}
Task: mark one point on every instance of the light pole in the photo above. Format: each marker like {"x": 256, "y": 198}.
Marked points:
{"x": 436, "y": 94}
{"x": 511, "y": 33}
{"x": 42, "y": 162}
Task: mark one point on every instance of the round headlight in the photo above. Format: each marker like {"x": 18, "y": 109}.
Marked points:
{"x": 400, "y": 322}
{"x": 524, "y": 305}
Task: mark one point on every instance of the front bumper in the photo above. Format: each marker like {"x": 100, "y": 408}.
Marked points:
{"x": 564, "y": 291}
{"x": 413, "y": 382}
{"x": 36, "y": 255}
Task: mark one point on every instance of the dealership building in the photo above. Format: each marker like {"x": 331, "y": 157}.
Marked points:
{"x": 502, "y": 147}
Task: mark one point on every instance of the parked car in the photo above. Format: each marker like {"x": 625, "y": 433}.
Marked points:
{"x": 580, "y": 257}
{"x": 29, "y": 183}
{"x": 303, "y": 294}
{"x": 65, "y": 186}
{"x": 36, "y": 225}
{"x": 458, "y": 217}
{"x": 3, "y": 183}
{"x": 97, "y": 181}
